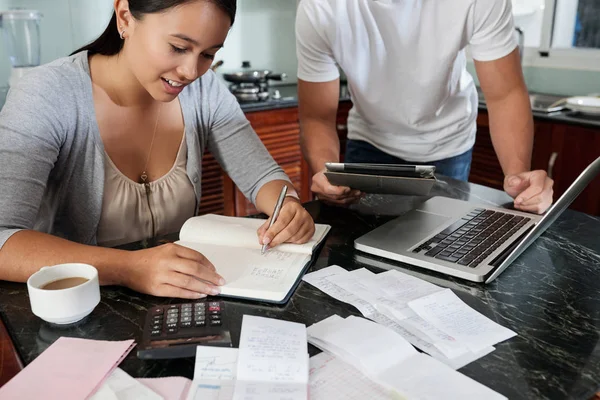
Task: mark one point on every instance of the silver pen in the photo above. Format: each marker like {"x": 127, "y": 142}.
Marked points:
{"x": 275, "y": 213}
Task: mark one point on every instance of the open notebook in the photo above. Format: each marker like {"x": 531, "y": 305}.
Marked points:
{"x": 231, "y": 244}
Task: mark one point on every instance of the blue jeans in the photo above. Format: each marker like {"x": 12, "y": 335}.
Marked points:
{"x": 457, "y": 167}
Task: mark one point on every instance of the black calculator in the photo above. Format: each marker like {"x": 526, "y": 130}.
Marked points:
{"x": 174, "y": 330}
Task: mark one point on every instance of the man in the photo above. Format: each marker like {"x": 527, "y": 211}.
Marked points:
{"x": 414, "y": 101}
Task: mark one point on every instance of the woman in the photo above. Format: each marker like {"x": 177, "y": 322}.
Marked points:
{"x": 105, "y": 147}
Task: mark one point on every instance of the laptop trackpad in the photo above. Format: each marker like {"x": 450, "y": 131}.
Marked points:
{"x": 404, "y": 231}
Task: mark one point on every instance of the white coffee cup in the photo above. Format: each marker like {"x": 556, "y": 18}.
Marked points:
{"x": 64, "y": 306}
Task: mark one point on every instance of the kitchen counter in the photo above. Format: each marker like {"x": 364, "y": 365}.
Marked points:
{"x": 289, "y": 98}
{"x": 549, "y": 296}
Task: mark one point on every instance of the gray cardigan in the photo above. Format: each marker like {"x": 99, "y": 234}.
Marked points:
{"x": 52, "y": 155}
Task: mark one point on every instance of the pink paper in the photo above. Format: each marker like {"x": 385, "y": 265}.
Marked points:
{"x": 70, "y": 368}
{"x": 170, "y": 388}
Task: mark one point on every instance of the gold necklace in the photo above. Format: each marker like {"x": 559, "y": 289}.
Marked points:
{"x": 144, "y": 175}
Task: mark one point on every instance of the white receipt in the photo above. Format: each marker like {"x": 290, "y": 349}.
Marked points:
{"x": 450, "y": 314}
{"x": 273, "y": 360}
{"x": 214, "y": 373}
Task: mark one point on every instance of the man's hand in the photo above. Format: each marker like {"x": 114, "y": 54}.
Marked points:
{"x": 338, "y": 195}
{"x": 531, "y": 190}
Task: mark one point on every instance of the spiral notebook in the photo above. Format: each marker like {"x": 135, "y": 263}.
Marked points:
{"x": 231, "y": 244}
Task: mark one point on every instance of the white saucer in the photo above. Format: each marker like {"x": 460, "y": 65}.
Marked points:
{"x": 584, "y": 104}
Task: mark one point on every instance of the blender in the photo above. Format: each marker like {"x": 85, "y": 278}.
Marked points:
{"x": 21, "y": 31}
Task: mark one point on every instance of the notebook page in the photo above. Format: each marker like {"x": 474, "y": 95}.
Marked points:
{"x": 331, "y": 378}
{"x": 249, "y": 274}
{"x": 273, "y": 360}
{"x": 240, "y": 232}
{"x": 70, "y": 368}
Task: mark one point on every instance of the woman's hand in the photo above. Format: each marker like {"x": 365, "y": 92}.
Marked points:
{"x": 294, "y": 225}
{"x": 172, "y": 270}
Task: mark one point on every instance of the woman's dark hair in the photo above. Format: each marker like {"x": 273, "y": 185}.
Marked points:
{"x": 110, "y": 42}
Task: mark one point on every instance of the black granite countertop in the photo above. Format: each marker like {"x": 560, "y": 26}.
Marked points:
{"x": 550, "y": 296}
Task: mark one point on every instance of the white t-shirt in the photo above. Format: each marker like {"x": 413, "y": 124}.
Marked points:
{"x": 405, "y": 65}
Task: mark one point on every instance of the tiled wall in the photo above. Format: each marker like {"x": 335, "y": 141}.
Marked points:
{"x": 564, "y": 82}
{"x": 263, "y": 32}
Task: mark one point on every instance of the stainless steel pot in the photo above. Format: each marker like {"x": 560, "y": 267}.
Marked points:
{"x": 248, "y": 75}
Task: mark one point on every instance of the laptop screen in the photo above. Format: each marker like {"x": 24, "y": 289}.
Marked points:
{"x": 552, "y": 214}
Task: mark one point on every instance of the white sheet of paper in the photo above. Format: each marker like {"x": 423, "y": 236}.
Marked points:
{"x": 319, "y": 279}
{"x": 402, "y": 314}
{"x": 273, "y": 360}
{"x": 450, "y": 314}
{"x": 386, "y": 358}
{"x": 272, "y": 351}
{"x": 121, "y": 386}
{"x": 214, "y": 373}
{"x": 352, "y": 284}
{"x": 370, "y": 288}
{"x": 375, "y": 347}
{"x": 403, "y": 287}
{"x": 422, "y": 377}
{"x": 362, "y": 273}
{"x": 331, "y": 378}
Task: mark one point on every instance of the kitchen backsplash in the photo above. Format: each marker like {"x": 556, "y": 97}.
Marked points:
{"x": 263, "y": 32}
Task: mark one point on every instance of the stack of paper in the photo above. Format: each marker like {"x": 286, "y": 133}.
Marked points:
{"x": 416, "y": 310}
{"x": 70, "y": 368}
{"x": 273, "y": 360}
{"x": 271, "y": 364}
{"x": 391, "y": 361}
{"x": 214, "y": 373}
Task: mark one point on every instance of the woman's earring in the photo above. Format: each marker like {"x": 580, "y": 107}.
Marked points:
{"x": 122, "y": 32}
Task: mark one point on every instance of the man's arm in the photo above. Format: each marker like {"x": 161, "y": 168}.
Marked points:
{"x": 318, "y": 104}
{"x": 507, "y": 100}
{"x": 511, "y": 129}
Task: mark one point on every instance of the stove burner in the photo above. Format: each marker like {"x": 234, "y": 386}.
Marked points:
{"x": 250, "y": 92}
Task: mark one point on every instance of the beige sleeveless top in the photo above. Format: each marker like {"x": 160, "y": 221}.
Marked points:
{"x": 128, "y": 211}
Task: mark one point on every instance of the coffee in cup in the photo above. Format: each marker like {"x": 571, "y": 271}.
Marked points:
{"x": 64, "y": 283}
{"x": 64, "y": 293}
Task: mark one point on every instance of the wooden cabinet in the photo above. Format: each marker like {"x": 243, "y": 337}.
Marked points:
{"x": 571, "y": 150}
{"x": 342, "y": 125}
{"x": 562, "y": 150}
{"x": 279, "y": 130}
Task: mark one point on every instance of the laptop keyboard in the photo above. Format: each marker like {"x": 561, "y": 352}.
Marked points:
{"x": 472, "y": 238}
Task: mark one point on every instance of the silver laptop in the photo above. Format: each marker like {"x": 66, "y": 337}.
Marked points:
{"x": 463, "y": 239}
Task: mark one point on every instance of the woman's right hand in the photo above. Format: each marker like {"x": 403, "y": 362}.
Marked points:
{"x": 172, "y": 270}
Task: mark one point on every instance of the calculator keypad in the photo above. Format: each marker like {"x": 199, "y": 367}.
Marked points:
{"x": 177, "y": 318}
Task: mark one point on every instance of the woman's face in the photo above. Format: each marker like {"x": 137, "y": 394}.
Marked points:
{"x": 167, "y": 51}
